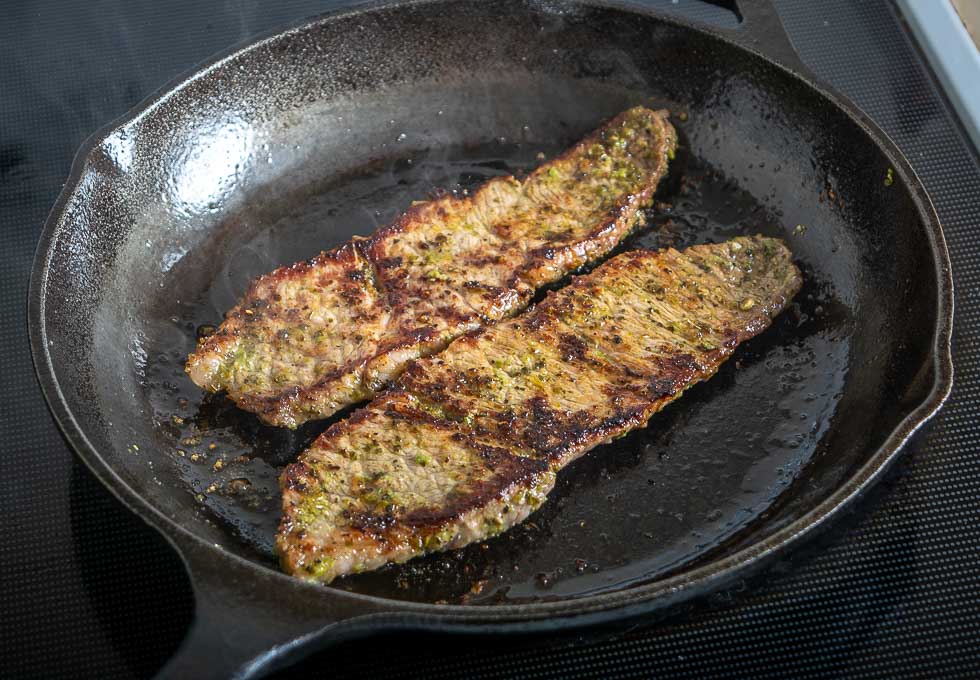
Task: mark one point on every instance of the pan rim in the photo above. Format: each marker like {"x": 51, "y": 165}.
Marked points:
{"x": 608, "y": 604}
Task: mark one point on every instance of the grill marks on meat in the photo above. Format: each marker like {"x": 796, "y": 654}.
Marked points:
{"x": 465, "y": 444}
{"x": 314, "y": 337}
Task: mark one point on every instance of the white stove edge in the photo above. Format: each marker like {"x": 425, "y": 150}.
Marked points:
{"x": 952, "y": 54}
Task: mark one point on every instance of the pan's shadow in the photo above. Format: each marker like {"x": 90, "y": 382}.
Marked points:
{"x": 136, "y": 583}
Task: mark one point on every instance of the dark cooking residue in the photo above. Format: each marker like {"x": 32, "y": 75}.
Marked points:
{"x": 629, "y": 511}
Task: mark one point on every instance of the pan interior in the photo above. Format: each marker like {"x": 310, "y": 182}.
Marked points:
{"x": 235, "y": 174}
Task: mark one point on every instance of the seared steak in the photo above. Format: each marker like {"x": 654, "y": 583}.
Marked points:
{"x": 465, "y": 444}
{"x": 314, "y": 337}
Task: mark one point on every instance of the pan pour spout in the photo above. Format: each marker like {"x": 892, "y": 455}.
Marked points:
{"x": 311, "y": 338}
{"x": 467, "y": 443}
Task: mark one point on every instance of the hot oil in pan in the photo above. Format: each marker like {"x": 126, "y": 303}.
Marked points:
{"x": 705, "y": 469}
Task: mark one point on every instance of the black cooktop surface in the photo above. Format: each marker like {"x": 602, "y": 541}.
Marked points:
{"x": 893, "y": 588}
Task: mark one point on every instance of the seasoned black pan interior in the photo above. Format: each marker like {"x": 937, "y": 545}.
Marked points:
{"x": 293, "y": 149}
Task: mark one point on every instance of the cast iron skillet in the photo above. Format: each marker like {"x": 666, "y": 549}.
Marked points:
{"x": 294, "y": 143}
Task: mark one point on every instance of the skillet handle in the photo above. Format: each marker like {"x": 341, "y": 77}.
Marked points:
{"x": 246, "y": 627}
{"x": 761, "y": 30}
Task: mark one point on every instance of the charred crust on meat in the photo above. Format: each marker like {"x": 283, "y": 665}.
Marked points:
{"x": 663, "y": 387}
{"x": 296, "y": 477}
{"x": 509, "y": 471}
{"x": 572, "y": 347}
{"x": 373, "y": 524}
